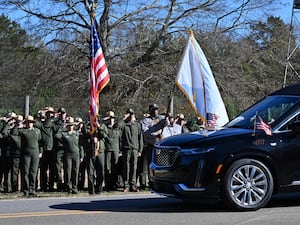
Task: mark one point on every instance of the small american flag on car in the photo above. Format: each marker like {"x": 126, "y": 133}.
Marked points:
{"x": 211, "y": 120}
{"x": 261, "y": 125}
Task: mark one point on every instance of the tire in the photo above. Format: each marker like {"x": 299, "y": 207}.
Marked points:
{"x": 248, "y": 185}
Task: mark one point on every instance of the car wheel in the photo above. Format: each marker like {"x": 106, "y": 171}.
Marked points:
{"x": 248, "y": 185}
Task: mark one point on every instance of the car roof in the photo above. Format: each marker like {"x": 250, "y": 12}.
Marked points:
{"x": 290, "y": 90}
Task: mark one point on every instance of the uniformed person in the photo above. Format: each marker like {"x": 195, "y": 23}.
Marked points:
{"x": 131, "y": 147}
{"x": 98, "y": 160}
{"x": 142, "y": 166}
{"x": 172, "y": 128}
{"x": 60, "y": 123}
{"x": 112, "y": 151}
{"x": 180, "y": 120}
{"x": 82, "y": 166}
{"x": 2, "y": 125}
{"x": 47, "y": 162}
{"x": 31, "y": 151}
{"x": 73, "y": 154}
{"x": 88, "y": 143}
{"x": 15, "y": 154}
{"x": 6, "y": 152}
{"x": 152, "y": 126}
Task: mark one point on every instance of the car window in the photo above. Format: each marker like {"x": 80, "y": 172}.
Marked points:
{"x": 272, "y": 113}
{"x": 269, "y": 109}
{"x": 287, "y": 125}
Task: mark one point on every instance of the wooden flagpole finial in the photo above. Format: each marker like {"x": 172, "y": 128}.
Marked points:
{"x": 92, "y": 9}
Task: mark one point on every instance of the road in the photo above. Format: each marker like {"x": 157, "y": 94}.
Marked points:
{"x": 141, "y": 209}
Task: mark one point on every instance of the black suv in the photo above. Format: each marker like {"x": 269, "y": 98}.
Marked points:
{"x": 240, "y": 164}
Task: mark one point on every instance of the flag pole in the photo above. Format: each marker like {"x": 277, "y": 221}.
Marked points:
{"x": 97, "y": 79}
{"x": 191, "y": 34}
{"x": 254, "y": 124}
{"x": 93, "y": 115}
{"x": 195, "y": 79}
{"x": 170, "y": 101}
{"x": 99, "y": 75}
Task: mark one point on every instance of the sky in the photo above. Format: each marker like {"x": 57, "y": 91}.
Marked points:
{"x": 289, "y": 15}
{"x": 285, "y": 12}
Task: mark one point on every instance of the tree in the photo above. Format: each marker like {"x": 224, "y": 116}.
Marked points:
{"x": 142, "y": 42}
{"x": 65, "y": 20}
{"x": 16, "y": 50}
{"x": 271, "y": 41}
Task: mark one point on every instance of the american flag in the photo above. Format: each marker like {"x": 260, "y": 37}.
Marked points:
{"x": 99, "y": 76}
{"x": 211, "y": 120}
{"x": 261, "y": 125}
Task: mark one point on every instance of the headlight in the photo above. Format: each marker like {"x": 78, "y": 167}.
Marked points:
{"x": 198, "y": 150}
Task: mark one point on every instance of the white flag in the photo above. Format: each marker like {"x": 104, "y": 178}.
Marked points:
{"x": 197, "y": 82}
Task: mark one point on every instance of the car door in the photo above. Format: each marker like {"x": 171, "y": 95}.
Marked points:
{"x": 289, "y": 172}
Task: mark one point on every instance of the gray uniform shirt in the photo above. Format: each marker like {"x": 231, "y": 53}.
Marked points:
{"x": 152, "y": 128}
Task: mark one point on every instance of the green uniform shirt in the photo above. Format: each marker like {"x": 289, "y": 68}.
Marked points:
{"x": 5, "y": 140}
{"x": 15, "y": 140}
{"x": 30, "y": 141}
{"x": 71, "y": 145}
{"x": 112, "y": 142}
{"x": 102, "y": 135}
{"x": 59, "y": 126}
{"x": 86, "y": 141}
{"x": 132, "y": 136}
{"x": 47, "y": 130}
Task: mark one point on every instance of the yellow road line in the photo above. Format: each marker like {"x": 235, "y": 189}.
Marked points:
{"x": 51, "y": 213}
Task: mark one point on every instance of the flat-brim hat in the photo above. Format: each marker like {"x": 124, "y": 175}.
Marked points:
{"x": 61, "y": 110}
{"x": 29, "y": 118}
{"x": 78, "y": 120}
{"x": 70, "y": 121}
{"x": 20, "y": 118}
{"x": 49, "y": 109}
{"x": 180, "y": 116}
{"x": 12, "y": 115}
{"x": 109, "y": 114}
{"x": 129, "y": 111}
{"x": 153, "y": 107}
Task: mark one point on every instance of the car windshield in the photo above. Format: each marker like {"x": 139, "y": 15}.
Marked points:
{"x": 269, "y": 109}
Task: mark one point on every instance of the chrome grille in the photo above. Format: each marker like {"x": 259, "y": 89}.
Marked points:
{"x": 165, "y": 156}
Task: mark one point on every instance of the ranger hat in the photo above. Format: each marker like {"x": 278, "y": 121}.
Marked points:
{"x": 180, "y": 116}
{"x": 12, "y": 115}
{"x": 61, "y": 110}
{"x": 49, "y": 109}
{"x": 70, "y": 121}
{"x": 153, "y": 107}
{"x": 29, "y": 118}
{"x": 20, "y": 117}
{"x": 78, "y": 120}
{"x": 41, "y": 114}
{"x": 129, "y": 111}
{"x": 109, "y": 114}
